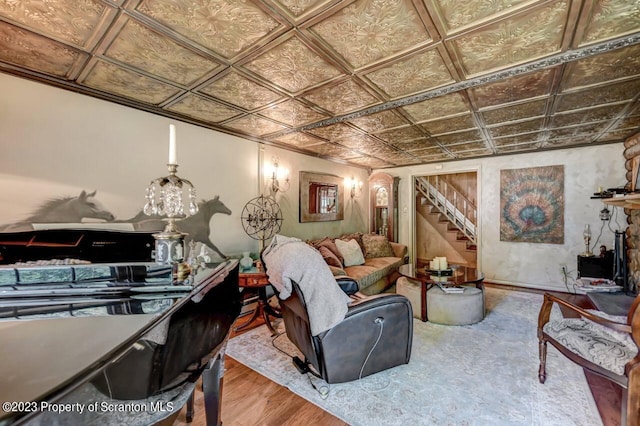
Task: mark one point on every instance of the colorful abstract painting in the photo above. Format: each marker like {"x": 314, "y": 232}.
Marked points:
{"x": 532, "y": 205}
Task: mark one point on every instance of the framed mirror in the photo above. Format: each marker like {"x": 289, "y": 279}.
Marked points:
{"x": 321, "y": 197}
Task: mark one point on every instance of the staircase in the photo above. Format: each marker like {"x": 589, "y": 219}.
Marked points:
{"x": 451, "y": 213}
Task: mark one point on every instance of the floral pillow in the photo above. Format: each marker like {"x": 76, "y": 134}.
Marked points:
{"x": 351, "y": 252}
{"x": 376, "y": 246}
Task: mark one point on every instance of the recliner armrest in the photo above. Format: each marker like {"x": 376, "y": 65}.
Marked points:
{"x": 348, "y": 285}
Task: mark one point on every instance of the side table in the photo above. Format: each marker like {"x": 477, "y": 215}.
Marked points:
{"x": 257, "y": 279}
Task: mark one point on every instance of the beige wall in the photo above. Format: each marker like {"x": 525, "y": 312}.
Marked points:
{"x": 56, "y": 143}
{"x": 529, "y": 264}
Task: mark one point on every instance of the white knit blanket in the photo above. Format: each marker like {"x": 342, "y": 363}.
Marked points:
{"x": 288, "y": 260}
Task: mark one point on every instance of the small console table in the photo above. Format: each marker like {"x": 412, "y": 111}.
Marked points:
{"x": 257, "y": 279}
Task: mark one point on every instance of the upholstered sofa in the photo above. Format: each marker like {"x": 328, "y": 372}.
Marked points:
{"x": 376, "y": 269}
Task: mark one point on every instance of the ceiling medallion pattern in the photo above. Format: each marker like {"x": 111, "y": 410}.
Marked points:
{"x": 612, "y": 18}
{"x": 73, "y": 21}
{"x": 530, "y": 35}
{"x": 224, "y": 26}
{"x": 342, "y": 98}
{"x": 293, "y": 113}
{"x": 28, "y": 50}
{"x": 203, "y": 109}
{"x": 457, "y": 14}
{"x": 240, "y": 91}
{"x": 366, "y": 31}
{"x": 292, "y": 66}
{"x": 113, "y": 79}
{"x": 254, "y": 125}
{"x": 422, "y": 71}
{"x": 371, "y": 83}
{"x": 150, "y": 52}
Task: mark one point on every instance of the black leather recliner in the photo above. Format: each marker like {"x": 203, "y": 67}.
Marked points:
{"x": 376, "y": 334}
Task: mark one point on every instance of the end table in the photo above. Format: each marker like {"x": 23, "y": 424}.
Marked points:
{"x": 257, "y": 279}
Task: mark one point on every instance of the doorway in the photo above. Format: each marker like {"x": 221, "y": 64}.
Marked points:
{"x": 446, "y": 217}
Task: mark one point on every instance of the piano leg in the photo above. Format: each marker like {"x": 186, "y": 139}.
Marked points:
{"x": 212, "y": 389}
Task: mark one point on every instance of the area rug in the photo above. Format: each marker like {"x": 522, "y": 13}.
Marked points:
{"x": 481, "y": 374}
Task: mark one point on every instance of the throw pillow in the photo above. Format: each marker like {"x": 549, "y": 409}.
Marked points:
{"x": 376, "y": 246}
{"x": 329, "y": 257}
{"x": 328, "y": 243}
{"x": 351, "y": 252}
{"x": 355, "y": 236}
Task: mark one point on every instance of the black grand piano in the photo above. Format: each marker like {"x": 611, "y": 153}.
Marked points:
{"x": 87, "y": 341}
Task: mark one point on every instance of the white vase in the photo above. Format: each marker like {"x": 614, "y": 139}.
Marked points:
{"x": 246, "y": 262}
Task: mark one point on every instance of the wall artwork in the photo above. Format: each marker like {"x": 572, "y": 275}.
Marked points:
{"x": 532, "y": 205}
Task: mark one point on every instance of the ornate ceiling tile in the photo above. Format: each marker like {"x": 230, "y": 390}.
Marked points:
{"x": 298, "y": 8}
{"x": 293, "y": 113}
{"x": 515, "y": 112}
{"x": 364, "y": 143}
{"x": 605, "y": 67}
{"x": 519, "y": 39}
{"x": 517, "y": 128}
{"x": 470, "y": 146}
{"x": 149, "y": 51}
{"x": 111, "y": 78}
{"x": 428, "y": 152}
{"x": 379, "y": 121}
{"x": 342, "y": 98}
{"x": 420, "y": 72}
{"x": 371, "y": 162}
{"x": 293, "y": 66}
{"x": 454, "y": 124}
{"x": 254, "y": 125}
{"x": 593, "y": 96}
{"x": 589, "y": 130}
{"x": 615, "y": 136}
{"x": 299, "y": 139}
{"x": 402, "y": 134}
{"x": 72, "y": 21}
{"x": 557, "y": 143}
{"x": 240, "y": 91}
{"x": 227, "y": 27}
{"x": 441, "y": 106}
{"x": 415, "y": 144}
{"x": 333, "y": 150}
{"x": 366, "y": 31}
{"x": 474, "y": 153}
{"x": 23, "y": 48}
{"x": 460, "y": 137}
{"x": 611, "y": 18}
{"x": 519, "y": 139}
{"x": 442, "y": 156}
{"x": 456, "y": 14}
{"x": 606, "y": 112}
{"x": 402, "y": 159}
{"x": 627, "y": 123}
{"x": 513, "y": 89}
{"x": 203, "y": 109}
{"x": 335, "y": 132}
{"x": 517, "y": 148}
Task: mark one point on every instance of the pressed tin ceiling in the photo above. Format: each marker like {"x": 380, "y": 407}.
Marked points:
{"x": 372, "y": 83}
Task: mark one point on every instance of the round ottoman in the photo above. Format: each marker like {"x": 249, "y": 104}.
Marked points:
{"x": 455, "y": 308}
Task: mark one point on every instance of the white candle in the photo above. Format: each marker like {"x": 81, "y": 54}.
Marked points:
{"x": 443, "y": 263}
{"x": 173, "y": 156}
{"x": 433, "y": 265}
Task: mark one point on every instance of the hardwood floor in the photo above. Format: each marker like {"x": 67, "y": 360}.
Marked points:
{"x": 251, "y": 399}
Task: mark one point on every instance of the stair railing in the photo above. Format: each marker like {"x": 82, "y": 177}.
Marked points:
{"x": 450, "y": 202}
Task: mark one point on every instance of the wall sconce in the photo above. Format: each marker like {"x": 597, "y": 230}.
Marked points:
{"x": 354, "y": 185}
{"x": 279, "y": 178}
